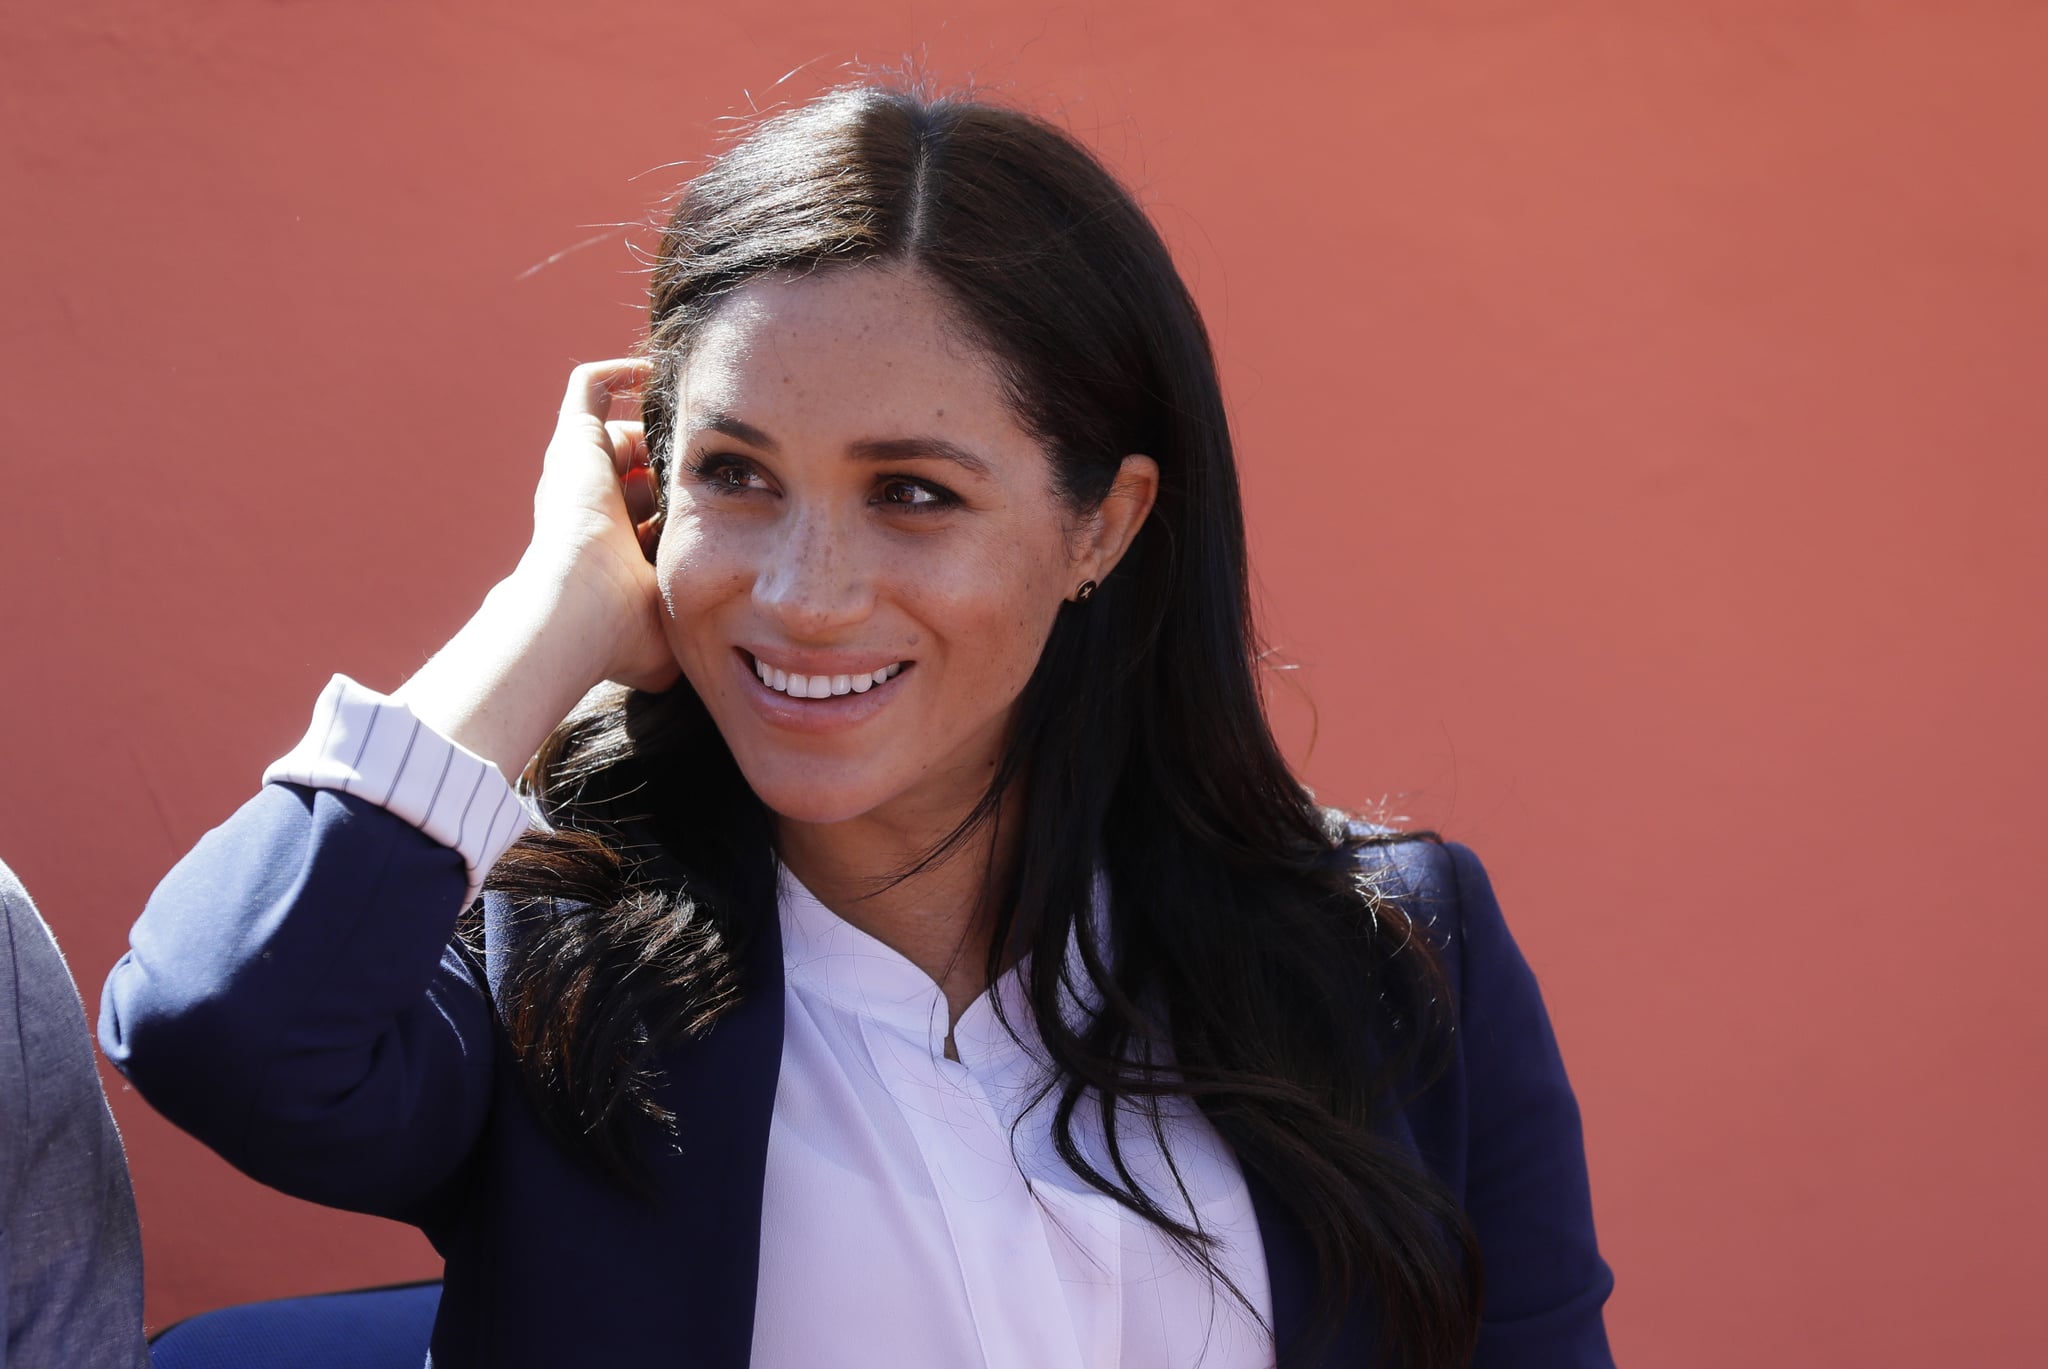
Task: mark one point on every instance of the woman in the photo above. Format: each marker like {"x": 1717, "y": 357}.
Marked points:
{"x": 926, "y": 957}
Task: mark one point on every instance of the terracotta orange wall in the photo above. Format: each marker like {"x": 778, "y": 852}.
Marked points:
{"x": 1643, "y": 415}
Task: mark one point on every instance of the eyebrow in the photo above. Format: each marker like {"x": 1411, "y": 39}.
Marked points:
{"x": 718, "y": 421}
{"x": 873, "y": 449}
{"x": 916, "y": 449}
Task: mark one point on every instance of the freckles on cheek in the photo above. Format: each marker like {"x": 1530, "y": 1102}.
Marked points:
{"x": 693, "y": 592}
{"x": 1003, "y": 639}
{"x": 693, "y": 564}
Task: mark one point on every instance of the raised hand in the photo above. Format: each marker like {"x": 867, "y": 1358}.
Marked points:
{"x": 581, "y": 607}
{"x": 595, "y": 521}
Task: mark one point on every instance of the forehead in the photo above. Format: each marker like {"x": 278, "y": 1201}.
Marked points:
{"x": 874, "y": 348}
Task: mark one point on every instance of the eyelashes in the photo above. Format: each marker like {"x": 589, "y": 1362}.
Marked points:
{"x": 925, "y": 496}
{"x": 720, "y": 474}
{"x": 730, "y": 477}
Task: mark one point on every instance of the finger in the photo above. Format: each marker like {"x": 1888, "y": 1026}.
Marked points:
{"x": 628, "y": 438}
{"x": 595, "y": 384}
{"x": 637, "y": 485}
{"x": 649, "y": 533}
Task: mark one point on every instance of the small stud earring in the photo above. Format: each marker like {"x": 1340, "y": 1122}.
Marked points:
{"x": 1085, "y": 593}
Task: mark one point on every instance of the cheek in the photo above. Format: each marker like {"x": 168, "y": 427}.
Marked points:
{"x": 696, "y": 570}
{"x": 994, "y": 618}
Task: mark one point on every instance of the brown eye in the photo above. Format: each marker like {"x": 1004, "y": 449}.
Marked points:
{"x": 915, "y": 495}
{"x": 724, "y": 474}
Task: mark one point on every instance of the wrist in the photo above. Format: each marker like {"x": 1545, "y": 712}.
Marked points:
{"x": 533, "y": 648}
{"x": 559, "y": 622}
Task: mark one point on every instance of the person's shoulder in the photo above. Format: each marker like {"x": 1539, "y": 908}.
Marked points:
{"x": 28, "y": 951}
{"x": 44, "y": 1045}
{"x": 1410, "y": 867}
{"x": 21, "y": 932}
{"x": 1441, "y": 885}
{"x": 14, "y": 900}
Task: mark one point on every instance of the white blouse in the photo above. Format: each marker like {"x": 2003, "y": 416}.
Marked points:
{"x": 915, "y": 1214}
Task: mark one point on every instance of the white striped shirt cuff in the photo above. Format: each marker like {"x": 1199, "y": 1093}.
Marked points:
{"x": 369, "y": 745}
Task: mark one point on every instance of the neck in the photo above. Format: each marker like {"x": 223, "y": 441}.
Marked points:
{"x": 931, "y": 918}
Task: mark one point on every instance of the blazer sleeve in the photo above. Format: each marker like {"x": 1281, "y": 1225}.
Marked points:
{"x": 1526, "y": 1189}
{"x": 292, "y": 999}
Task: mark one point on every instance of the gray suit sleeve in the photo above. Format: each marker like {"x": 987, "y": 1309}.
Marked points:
{"x": 70, "y": 1247}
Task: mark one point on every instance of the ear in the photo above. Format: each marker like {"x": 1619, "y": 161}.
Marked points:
{"x": 1115, "y": 525}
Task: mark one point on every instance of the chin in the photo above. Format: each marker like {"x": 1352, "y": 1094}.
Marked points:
{"x": 809, "y": 792}
{"x": 810, "y": 810}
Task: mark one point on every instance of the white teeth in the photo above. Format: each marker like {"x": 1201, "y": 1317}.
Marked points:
{"x": 822, "y": 686}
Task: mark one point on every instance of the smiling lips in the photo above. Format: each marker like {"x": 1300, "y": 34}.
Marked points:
{"x": 822, "y": 686}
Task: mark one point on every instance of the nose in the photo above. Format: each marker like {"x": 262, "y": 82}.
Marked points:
{"x": 816, "y": 579}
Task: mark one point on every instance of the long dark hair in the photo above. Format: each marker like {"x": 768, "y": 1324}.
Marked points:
{"x": 1292, "y": 1001}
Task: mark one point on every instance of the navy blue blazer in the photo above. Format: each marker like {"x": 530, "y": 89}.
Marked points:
{"x": 292, "y": 998}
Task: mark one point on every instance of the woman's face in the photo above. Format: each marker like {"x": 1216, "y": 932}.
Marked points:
{"x": 854, "y": 511}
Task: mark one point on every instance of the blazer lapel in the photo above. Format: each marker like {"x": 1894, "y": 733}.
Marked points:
{"x": 1291, "y": 1278}
{"x": 709, "y": 1174}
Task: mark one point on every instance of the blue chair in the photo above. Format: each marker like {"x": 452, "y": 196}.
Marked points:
{"x": 367, "y": 1328}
